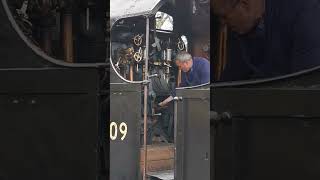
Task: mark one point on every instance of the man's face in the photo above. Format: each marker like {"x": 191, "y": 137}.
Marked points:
{"x": 242, "y": 17}
{"x": 185, "y": 66}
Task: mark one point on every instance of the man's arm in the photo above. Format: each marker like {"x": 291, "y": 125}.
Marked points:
{"x": 306, "y": 37}
{"x": 166, "y": 101}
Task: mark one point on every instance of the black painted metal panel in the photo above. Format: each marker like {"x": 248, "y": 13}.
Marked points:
{"x": 50, "y": 125}
{"x": 294, "y": 102}
{"x": 125, "y": 107}
{"x": 48, "y": 137}
{"x": 270, "y": 134}
{"x": 49, "y": 80}
{"x": 193, "y": 146}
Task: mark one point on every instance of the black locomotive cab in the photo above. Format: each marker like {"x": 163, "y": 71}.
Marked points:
{"x": 146, "y": 37}
{"x": 56, "y": 60}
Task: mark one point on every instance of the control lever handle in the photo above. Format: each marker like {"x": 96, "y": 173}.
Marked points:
{"x": 216, "y": 118}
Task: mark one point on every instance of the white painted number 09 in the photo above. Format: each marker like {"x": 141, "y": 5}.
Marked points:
{"x": 114, "y": 130}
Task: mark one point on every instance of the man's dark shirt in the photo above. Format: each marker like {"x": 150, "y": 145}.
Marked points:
{"x": 198, "y": 74}
{"x": 287, "y": 41}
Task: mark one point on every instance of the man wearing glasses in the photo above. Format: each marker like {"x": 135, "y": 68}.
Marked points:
{"x": 269, "y": 37}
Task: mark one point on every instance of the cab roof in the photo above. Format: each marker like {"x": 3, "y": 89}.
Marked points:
{"x": 131, "y": 8}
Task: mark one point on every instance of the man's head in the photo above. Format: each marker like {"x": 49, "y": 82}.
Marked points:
{"x": 240, "y": 15}
{"x": 184, "y": 61}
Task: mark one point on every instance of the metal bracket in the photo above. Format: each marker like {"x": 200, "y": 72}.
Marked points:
{"x": 145, "y": 82}
{"x": 177, "y": 98}
{"x": 153, "y": 76}
{"x": 23, "y": 10}
{"x": 218, "y": 118}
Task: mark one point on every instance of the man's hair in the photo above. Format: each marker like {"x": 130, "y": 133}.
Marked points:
{"x": 183, "y": 56}
{"x": 233, "y": 2}
{"x": 226, "y": 3}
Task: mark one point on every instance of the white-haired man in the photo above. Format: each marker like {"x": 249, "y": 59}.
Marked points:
{"x": 195, "y": 71}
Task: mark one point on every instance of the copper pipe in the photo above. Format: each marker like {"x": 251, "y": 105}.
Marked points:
{"x": 145, "y": 111}
{"x": 131, "y": 72}
{"x": 222, "y": 52}
{"x": 145, "y": 102}
{"x": 45, "y": 32}
{"x": 67, "y": 37}
{"x": 46, "y": 41}
{"x": 179, "y": 78}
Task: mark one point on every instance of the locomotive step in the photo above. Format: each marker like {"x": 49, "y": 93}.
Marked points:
{"x": 160, "y": 157}
{"x": 163, "y": 175}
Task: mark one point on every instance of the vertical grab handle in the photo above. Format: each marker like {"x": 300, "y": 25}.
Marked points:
{"x": 175, "y": 118}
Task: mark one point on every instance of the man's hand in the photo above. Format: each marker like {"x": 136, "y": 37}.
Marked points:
{"x": 161, "y": 104}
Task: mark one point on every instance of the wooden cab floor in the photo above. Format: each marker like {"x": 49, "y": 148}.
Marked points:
{"x": 160, "y": 157}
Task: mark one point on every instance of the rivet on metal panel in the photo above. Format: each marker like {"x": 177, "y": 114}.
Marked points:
{"x": 206, "y": 156}
{"x": 33, "y": 101}
{"x": 203, "y": 98}
{"x": 307, "y": 124}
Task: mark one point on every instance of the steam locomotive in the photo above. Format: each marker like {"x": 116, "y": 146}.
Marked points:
{"x": 145, "y": 38}
{"x": 58, "y": 57}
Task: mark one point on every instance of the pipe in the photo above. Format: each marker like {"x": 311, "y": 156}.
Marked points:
{"x": 175, "y": 120}
{"x": 169, "y": 55}
{"x": 146, "y": 101}
{"x": 131, "y": 72}
{"x": 46, "y": 24}
{"x": 179, "y": 78}
{"x": 222, "y": 52}
{"x": 88, "y": 19}
{"x": 46, "y": 41}
{"x": 67, "y": 36}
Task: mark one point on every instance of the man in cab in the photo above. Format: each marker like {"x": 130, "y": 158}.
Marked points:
{"x": 269, "y": 38}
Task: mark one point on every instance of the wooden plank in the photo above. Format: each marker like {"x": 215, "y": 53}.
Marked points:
{"x": 160, "y": 157}
{"x": 158, "y": 152}
{"x": 160, "y": 165}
